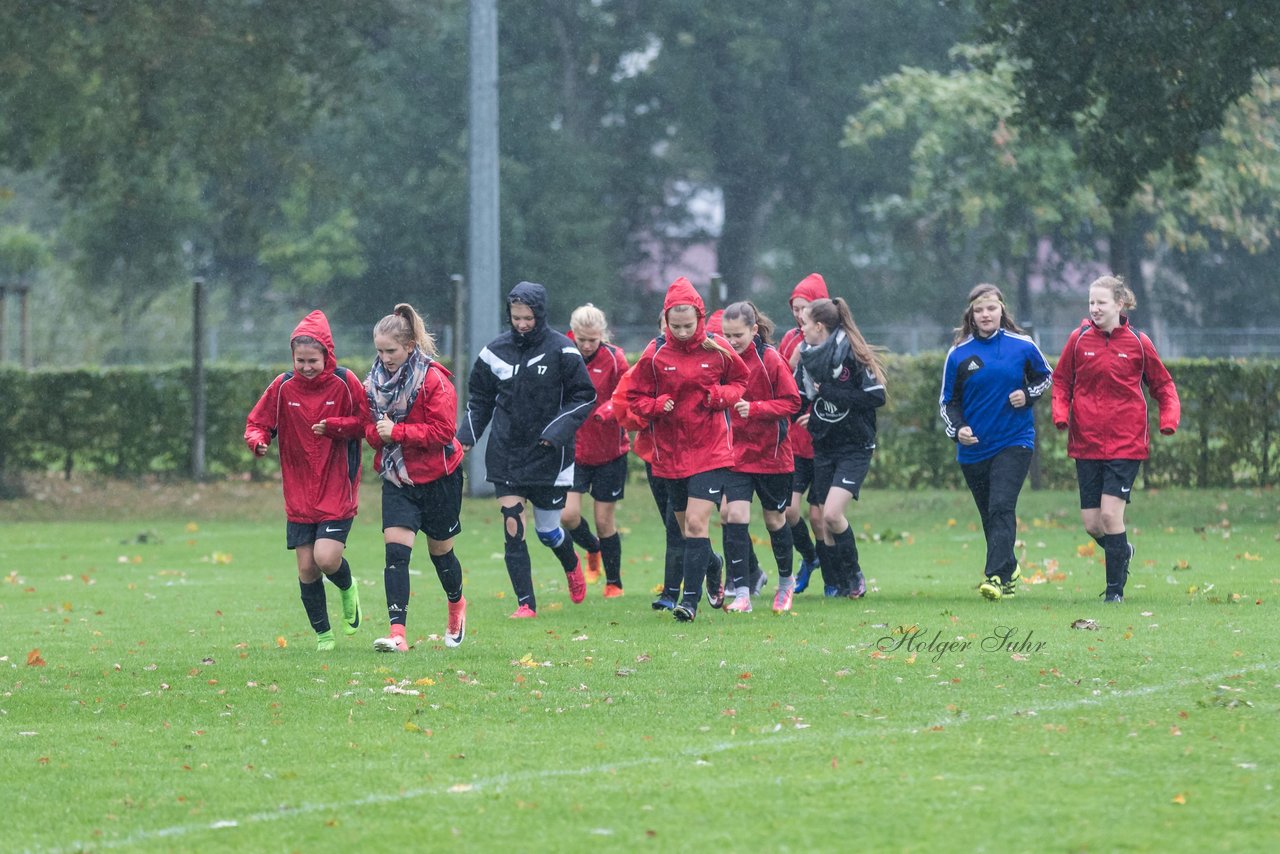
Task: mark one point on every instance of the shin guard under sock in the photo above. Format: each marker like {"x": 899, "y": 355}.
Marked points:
{"x": 396, "y": 580}
{"x": 781, "y": 543}
{"x": 804, "y": 545}
{"x": 697, "y": 554}
{"x": 611, "y": 556}
{"x": 582, "y": 536}
{"x": 1116, "y": 548}
{"x": 342, "y": 577}
{"x": 449, "y": 571}
{"x": 313, "y": 602}
{"x": 737, "y": 548}
{"x": 847, "y": 557}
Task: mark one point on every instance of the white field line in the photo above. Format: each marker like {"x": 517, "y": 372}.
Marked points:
{"x": 500, "y": 781}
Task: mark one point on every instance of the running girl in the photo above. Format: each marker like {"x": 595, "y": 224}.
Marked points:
{"x": 532, "y": 383}
{"x": 1097, "y": 396}
{"x": 763, "y": 457}
{"x": 842, "y": 381}
{"x": 600, "y": 456}
{"x": 414, "y": 414}
{"x": 684, "y": 383}
{"x": 320, "y": 476}
{"x": 993, "y": 374}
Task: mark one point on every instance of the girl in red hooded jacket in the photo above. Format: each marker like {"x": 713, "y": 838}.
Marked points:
{"x": 413, "y": 415}
{"x": 811, "y": 287}
{"x": 1097, "y": 396}
{"x": 600, "y": 453}
{"x": 685, "y": 384}
{"x": 320, "y": 476}
{"x": 763, "y": 460}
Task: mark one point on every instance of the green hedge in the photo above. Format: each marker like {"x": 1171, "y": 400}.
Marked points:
{"x": 131, "y": 421}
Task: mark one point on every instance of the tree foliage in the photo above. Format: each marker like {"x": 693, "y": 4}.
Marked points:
{"x": 1141, "y": 81}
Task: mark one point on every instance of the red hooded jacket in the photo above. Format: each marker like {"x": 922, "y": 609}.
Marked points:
{"x": 619, "y": 411}
{"x": 426, "y": 435}
{"x": 320, "y": 475}
{"x": 601, "y": 439}
{"x": 811, "y": 287}
{"x": 1097, "y": 393}
{"x": 702, "y": 381}
{"x": 761, "y": 441}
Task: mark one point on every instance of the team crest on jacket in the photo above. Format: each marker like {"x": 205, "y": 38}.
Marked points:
{"x": 828, "y": 411}
{"x": 844, "y": 374}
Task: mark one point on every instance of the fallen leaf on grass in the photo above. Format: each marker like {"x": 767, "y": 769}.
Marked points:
{"x": 1086, "y": 625}
{"x": 281, "y": 642}
{"x": 460, "y": 787}
{"x": 1180, "y": 798}
{"x": 34, "y": 659}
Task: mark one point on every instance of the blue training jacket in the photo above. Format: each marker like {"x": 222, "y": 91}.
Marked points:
{"x": 979, "y": 376}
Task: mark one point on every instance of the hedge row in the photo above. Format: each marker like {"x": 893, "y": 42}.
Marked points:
{"x": 133, "y": 421}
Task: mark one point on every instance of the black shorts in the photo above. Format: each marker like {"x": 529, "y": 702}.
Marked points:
{"x": 774, "y": 489}
{"x": 846, "y": 470}
{"x": 542, "y": 497}
{"x": 428, "y": 507}
{"x": 304, "y": 534}
{"x": 1105, "y": 477}
{"x": 605, "y": 482}
{"x": 802, "y": 478}
{"x": 707, "y": 485}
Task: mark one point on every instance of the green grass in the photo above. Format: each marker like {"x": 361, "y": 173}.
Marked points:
{"x": 182, "y": 704}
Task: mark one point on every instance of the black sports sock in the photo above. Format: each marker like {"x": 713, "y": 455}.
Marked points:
{"x": 830, "y": 564}
{"x": 582, "y": 536}
{"x": 1116, "y": 548}
{"x": 1101, "y": 540}
{"x": 520, "y": 571}
{"x": 697, "y": 554}
{"x": 847, "y": 557}
{"x": 804, "y": 545}
{"x": 755, "y": 572}
{"x": 673, "y": 567}
{"x": 737, "y": 547}
{"x": 313, "y": 602}
{"x": 781, "y": 543}
{"x": 396, "y": 580}
{"x": 611, "y": 555}
{"x": 449, "y": 571}
{"x": 341, "y": 578}
{"x": 567, "y": 556}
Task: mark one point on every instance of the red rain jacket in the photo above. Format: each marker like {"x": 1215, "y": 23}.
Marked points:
{"x": 703, "y": 383}
{"x": 1097, "y": 393}
{"x": 810, "y": 288}
{"x": 601, "y": 439}
{"x": 320, "y": 474}
{"x": 761, "y": 441}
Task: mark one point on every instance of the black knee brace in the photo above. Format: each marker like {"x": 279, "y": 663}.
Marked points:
{"x": 513, "y": 513}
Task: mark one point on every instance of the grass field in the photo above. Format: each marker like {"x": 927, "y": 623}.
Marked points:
{"x": 162, "y": 690}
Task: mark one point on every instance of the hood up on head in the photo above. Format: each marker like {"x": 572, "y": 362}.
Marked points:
{"x": 811, "y": 287}
{"x": 316, "y": 325}
{"x": 682, "y": 292}
{"x": 533, "y": 295}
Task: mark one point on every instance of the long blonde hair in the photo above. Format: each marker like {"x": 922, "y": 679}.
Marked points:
{"x": 835, "y": 314}
{"x": 404, "y": 325}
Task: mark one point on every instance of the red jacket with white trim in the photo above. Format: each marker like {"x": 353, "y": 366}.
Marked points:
{"x": 426, "y": 435}
{"x": 761, "y": 441}
{"x": 601, "y": 439}
{"x": 319, "y": 474}
{"x": 1097, "y": 393}
{"x": 703, "y": 384}
{"x": 810, "y": 288}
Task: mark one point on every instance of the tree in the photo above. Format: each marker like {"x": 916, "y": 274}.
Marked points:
{"x": 978, "y": 185}
{"x": 164, "y": 122}
{"x": 1137, "y": 84}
